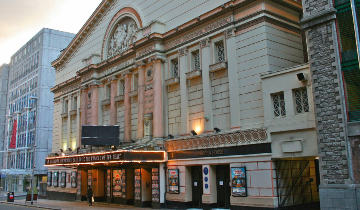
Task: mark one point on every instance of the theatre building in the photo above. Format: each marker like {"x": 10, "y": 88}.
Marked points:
{"x": 186, "y": 104}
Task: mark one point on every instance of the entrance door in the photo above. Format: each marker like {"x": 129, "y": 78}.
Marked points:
{"x": 197, "y": 186}
{"x": 223, "y": 186}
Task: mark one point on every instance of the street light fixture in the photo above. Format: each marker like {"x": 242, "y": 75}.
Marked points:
{"x": 33, "y": 146}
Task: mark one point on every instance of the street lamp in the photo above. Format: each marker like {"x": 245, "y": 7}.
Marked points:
{"x": 33, "y": 146}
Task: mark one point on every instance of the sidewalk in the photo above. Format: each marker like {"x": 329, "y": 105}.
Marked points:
{"x": 70, "y": 205}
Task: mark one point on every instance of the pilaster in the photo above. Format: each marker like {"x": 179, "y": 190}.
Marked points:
{"x": 234, "y": 98}
{"x": 141, "y": 92}
{"x": 158, "y": 102}
{"x": 113, "y": 108}
{"x": 95, "y": 103}
{"x": 183, "y": 68}
{"x": 127, "y": 108}
{"x": 206, "y": 83}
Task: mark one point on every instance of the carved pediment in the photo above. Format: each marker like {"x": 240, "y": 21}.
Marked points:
{"x": 123, "y": 35}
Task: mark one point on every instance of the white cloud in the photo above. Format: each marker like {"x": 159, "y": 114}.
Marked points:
{"x": 22, "y": 19}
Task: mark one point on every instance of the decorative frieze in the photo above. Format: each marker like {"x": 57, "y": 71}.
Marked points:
{"x": 220, "y": 22}
{"x": 253, "y": 136}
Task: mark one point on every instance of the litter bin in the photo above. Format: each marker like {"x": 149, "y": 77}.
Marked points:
{"x": 10, "y": 197}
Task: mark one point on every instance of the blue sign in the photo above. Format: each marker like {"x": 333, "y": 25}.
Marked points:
{"x": 206, "y": 170}
{"x": 206, "y": 179}
{"x": 206, "y": 186}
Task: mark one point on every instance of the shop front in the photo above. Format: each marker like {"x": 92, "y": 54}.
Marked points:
{"x": 232, "y": 170}
{"x": 126, "y": 177}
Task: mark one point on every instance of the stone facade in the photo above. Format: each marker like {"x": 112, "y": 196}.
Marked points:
{"x": 338, "y": 164}
{"x": 4, "y": 78}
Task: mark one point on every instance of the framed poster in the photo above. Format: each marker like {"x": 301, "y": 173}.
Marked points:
{"x": 238, "y": 182}
{"x": 137, "y": 185}
{"x": 49, "y": 179}
{"x": 63, "y": 179}
{"x": 155, "y": 186}
{"x": 174, "y": 181}
{"x": 56, "y": 179}
{"x": 73, "y": 179}
{"x": 116, "y": 190}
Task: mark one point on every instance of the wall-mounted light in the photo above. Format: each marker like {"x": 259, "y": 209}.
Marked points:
{"x": 69, "y": 149}
{"x": 77, "y": 150}
{"x": 193, "y": 133}
{"x": 61, "y": 150}
{"x": 217, "y": 130}
{"x": 170, "y": 136}
{"x": 113, "y": 148}
{"x": 302, "y": 77}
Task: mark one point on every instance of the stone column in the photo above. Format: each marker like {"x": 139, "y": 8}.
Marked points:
{"x": 83, "y": 105}
{"x": 141, "y": 92}
{"x": 68, "y": 141}
{"x": 337, "y": 184}
{"x": 113, "y": 110}
{"x": 127, "y": 108}
{"x": 183, "y": 68}
{"x": 207, "y": 95}
{"x": 158, "y": 106}
{"x": 233, "y": 79}
{"x": 94, "y": 103}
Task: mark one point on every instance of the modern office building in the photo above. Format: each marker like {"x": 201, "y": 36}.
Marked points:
{"x": 29, "y": 110}
{"x": 187, "y": 104}
{"x": 332, "y": 35}
{"x": 4, "y": 77}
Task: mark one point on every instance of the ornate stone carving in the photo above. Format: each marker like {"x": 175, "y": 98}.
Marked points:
{"x": 123, "y": 35}
{"x": 253, "y": 136}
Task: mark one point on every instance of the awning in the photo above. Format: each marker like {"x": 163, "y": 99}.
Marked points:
{"x": 107, "y": 157}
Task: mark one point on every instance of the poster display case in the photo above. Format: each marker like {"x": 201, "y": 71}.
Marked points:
{"x": 73, "y": 179}
{"x": 56, "y": 179}
{"x": 49, "y": 178}
{"x": 238, "y": 182}
{"x": 137, "y": 184}
{"x": 63, "y": 179}
{"x": 174, "y": 186}
{"x": 155, "y": 186}
{"x": 117, "y": 183}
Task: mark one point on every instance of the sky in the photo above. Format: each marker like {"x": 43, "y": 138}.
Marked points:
{"x": 20, "y": 20}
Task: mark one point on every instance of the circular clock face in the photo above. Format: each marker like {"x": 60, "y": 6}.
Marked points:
{"x": 206, "y": 170}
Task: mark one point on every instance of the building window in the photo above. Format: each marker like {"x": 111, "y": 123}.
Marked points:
{"x": 219, "y": 51}
{"x": 174, "y": 67}
{"x": 135, "y": 82}
{"x": 278, "y": 104}
{"x": 301, "y": 100}
{"x": 74, "y": 103}
{"x": 65, "y": 106}
{"x": 89, "y": 101}
{"x": 195, "y": 60}
{"x": 121, "y": 87}
{"x": 108, "y": 91}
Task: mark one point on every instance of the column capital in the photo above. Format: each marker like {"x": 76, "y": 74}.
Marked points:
{"x": 158, "y": 58}
{"x": 230, "y": 33}
{"x": 205, "y": 43}
{"x": 183, "y": 51}
{"x": 94, "y": 83}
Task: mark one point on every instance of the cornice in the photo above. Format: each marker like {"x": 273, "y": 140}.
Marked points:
{"x": 89, "y": 24}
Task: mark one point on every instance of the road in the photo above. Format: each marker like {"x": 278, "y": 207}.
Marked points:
{"x": 4, "y": 206}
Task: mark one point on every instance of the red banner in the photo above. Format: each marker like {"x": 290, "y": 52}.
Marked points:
{"x": 13, "y": 136}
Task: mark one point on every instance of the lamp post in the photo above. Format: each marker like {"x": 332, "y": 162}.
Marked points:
{"x": 33, "y": 146}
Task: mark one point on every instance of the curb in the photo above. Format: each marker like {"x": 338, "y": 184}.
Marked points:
{"x": 25, "y": 205}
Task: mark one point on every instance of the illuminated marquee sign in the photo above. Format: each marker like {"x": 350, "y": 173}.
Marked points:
{"x": 104, "y": 157}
